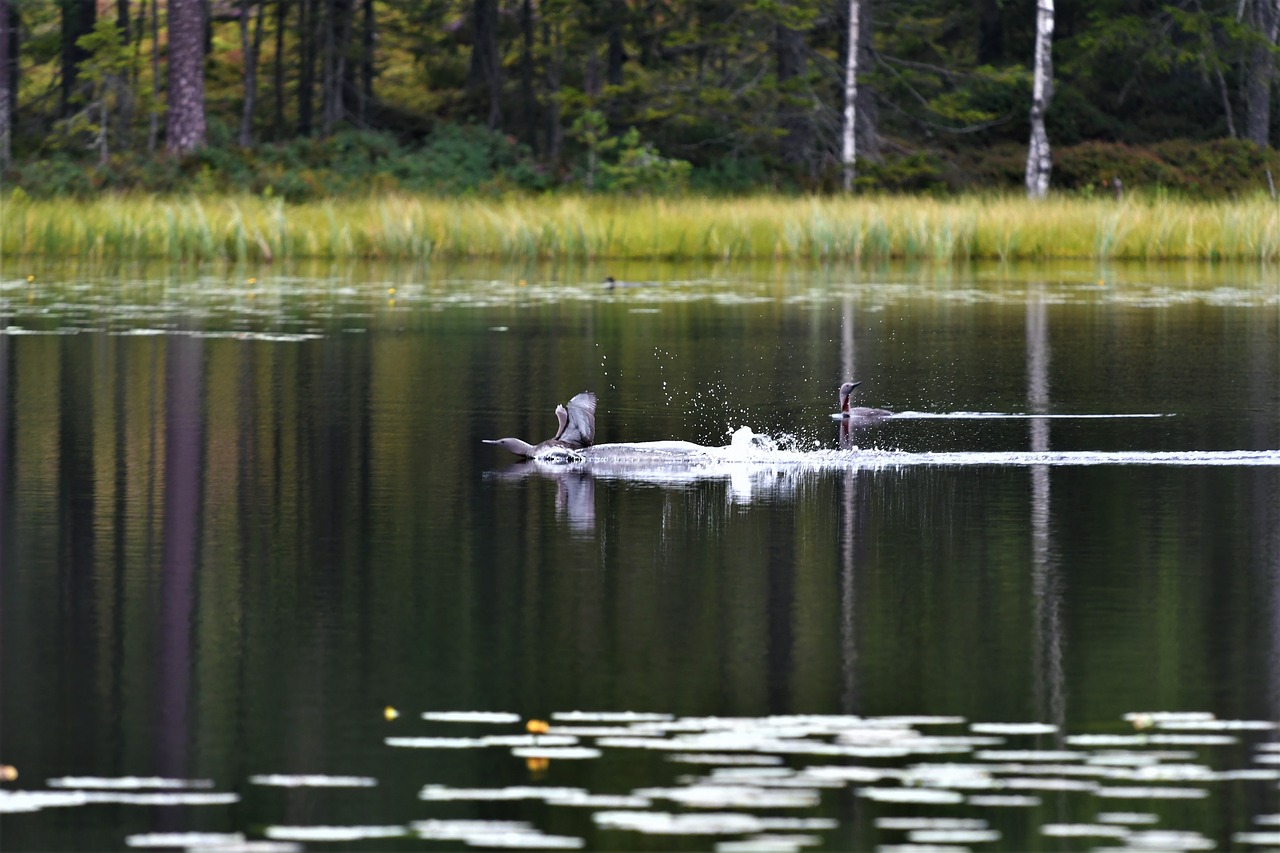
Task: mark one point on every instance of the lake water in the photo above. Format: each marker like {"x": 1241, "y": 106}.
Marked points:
{"x": 250, "y": 537}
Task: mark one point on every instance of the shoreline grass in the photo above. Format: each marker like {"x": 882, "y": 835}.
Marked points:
{"x": 578, "y": 228}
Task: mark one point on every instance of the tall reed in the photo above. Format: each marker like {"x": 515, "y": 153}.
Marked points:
{"x": 417, "y": 228}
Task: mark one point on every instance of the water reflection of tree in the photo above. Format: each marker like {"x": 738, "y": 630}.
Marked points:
{"x": 1050, "y": 698}
{"x": 184, "y": 478}
{"x": 852, "y": 523}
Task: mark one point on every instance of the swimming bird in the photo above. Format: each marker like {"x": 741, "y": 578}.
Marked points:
{"x": 859, "y": 412}
{"x": 610, "y": 283}
{"x": 577, "y": 429}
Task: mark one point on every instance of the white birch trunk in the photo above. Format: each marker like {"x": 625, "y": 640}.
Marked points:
{"x": 848, "y": 153}
{"x": 1039, "y": 163}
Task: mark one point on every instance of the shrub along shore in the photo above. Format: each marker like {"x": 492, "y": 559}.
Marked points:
{"x": 580, "y": 228}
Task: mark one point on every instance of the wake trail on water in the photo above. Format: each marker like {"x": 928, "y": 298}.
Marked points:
{"x": 750, "y": 451}
{"x": 901, "y": 416}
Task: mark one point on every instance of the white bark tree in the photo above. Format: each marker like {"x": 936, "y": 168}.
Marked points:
{"x": 849, "y": 151}
{"x": 1039, "y": 163}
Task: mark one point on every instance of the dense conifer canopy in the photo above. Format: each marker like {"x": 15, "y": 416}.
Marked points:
{"x": 629, "y": 95}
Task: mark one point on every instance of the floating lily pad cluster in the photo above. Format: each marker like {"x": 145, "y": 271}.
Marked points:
{"x": 747, "y": 784}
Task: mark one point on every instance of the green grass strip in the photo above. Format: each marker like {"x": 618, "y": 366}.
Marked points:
{"x": 801, "y": 229}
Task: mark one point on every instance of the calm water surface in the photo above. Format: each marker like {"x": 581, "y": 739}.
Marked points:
{"x": 241, "y": 518}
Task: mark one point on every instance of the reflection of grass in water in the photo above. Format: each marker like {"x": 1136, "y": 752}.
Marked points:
{"x": 579, "y": 228}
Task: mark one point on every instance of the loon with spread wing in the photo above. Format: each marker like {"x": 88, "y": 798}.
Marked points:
{"x": 577, "y": 429}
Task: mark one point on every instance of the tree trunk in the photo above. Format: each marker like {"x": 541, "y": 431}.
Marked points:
{"x": 251, "y": 49}
{"x": 617, "y": 53}
{"x": 336, "y": 39}
{"x": 867, "y": 127}
{"x": 1265, "y": 17}
{"x": 282, "y": 15}
{"x": 119, "y": 82}
{"x": 328, "y": 57}
{"x": 592, "y": 83}
{"x": 526, "y": 75}
{"x": 206, "y": 11}
{"x": 368, "y": 40}
{"x": 337, "y": 73}
{"x": 796, "y": 144}
{"x": 186, "y": 128}
{"x": 6, "y": 88}
{"x": 78, "y": 18}
{"x": 990, "y": 33}
{"x": 849, "y": 149}
{"x": 307, "y": 73}
{"x": 555, "y": 53}
{"x": 486, "y": 66}
{"x": 1226, "y": 104}
{"x": 1039, "y": 163}
{"x": 102, "y": 142}
{"x": 122, "y": 19}
{"x": 139, "y": 29}
{"x": 153, "y": 124}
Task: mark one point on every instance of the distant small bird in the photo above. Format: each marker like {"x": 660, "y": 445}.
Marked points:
{"x": 610, "y": 282}
{"x": 577, "y": 429}
{"x": 858, "y": 412}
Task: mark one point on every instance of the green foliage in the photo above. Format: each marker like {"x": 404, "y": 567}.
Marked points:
{"x": 107, "y": 93}
{"x": 1230, "y": 167}
{"x": 468, "y": 160}
{"x": 730, "y": 175}
{"x": 1147, "y": 73}
{"x": 108, "y": 55}
{"x": 638, "y": 168}
{"x": 918, "y": 172}
{"x": 1094, "y": 165}
{"x": 932, "y": 74}
{"x": 1215, "y": 169}
{"x": 463, "y": 159}
{"x": 102, "y": 75}
{"x": 590, "y": 129}
{"x": 56, "y": 175}
{"x": 1224, "y": 167}
{"x": 455, "y": 160}
{"x": 625, "y": 164}
{"x": 630, "y": 98}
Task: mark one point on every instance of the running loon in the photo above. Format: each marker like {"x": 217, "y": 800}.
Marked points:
{"x": 858, "y": 412}
{"x": 577, "y": 429}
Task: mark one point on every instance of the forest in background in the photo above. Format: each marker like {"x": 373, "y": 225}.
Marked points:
{"x": 301, "y": 99}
